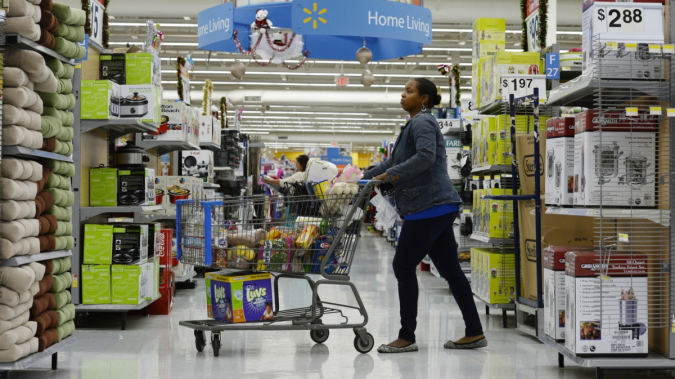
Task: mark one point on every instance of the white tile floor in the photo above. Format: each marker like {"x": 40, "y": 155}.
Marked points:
{"x": 156, "y": 347}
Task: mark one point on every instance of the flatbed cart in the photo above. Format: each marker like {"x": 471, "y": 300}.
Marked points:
{"x": 309, "y": 234}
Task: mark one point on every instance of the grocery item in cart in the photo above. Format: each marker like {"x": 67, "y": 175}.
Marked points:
{"x": 242, "y": 297}
{"x": 318, "y": 171}
{"x": 241, "y": 257}
{"x": 274, "y": 255}
{"x": 307, "y": 236}
{"x": 248, "y": 238}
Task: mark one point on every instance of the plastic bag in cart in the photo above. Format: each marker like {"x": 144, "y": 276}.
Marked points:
{"x": 386, "y": 214}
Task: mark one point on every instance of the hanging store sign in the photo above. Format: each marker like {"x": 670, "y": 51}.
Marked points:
{"x": 523, "y": 85}
{"x": 215, "y": 26}
{"x": 553, "y": 66}
{"x": 358, "y": 18}
{"x": 96, "y": 10}
{"x": 342, "y": 81}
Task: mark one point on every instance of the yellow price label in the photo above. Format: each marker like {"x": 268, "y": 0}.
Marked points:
{"x": 631, "y": 111}
{"x": 655, "y": 111}
{"x": 74, "y": 281}
{"x": 605, "y": 278}
{"x": 476, "y": 178}
{"x": 631, "y": 47}
{"x": 668, "y": 49}
{"x": 612, "y": 45}
{"x": 78, "y": 66}
{"x": 623, "y": 237}
{"x": 670, "y": 112}
{"x": 673, "y": 327}
{"x": 655, "y": 49}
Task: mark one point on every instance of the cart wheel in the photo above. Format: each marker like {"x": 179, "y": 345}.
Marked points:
{"x": 215, "y": 343}
{"x": 200, "y": 341}
{"x": 364, "y": 347}
{"x": 319, "y": 335}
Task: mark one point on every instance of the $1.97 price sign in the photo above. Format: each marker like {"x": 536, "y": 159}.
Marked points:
{"x": 523, "y": 85}
{"x": 616, "y": 19}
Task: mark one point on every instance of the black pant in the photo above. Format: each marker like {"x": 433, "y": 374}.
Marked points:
{"x": 433, "y": 237}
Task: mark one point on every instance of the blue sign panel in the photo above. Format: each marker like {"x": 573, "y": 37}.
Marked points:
{"x": 553, "y": 66}
{"x": 215, "y": 25}
{"x": 338, "y": 161}
{"x": 84, "y": 44}
{"x": 358, "y": 18}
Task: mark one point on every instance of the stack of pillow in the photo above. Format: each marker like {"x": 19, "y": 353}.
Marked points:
{"x": 23, "y": 17}
{"x": 19, "y": 229}
{"x": 58, "y": 105}
{"x": 52, "y": 309}
{"x": 18, "y": 286}
{"x": 69, "y": 31}
{"x": 49, "y": 24}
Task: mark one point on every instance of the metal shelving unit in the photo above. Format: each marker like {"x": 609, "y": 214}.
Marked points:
{"x": 24, "y": 363}
{"x": 492, "y": 241}
{"x": 26, "y": 44}
{"x": 658, "y": 216}
{"x": 502, "y": 307}
{"x": 165, "y": 147}
{"x": 25, "y": 259}
{"x": 116, "y": 127}
{"x": 27, "y": 153}
{"x": 116, "y": 308}
{"x": 209, "y": 146}
{"x": 491, "y": 169}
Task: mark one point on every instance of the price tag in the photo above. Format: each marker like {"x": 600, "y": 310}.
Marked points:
{"x": 553, "y": 66}
{"x": 655, "y": 49}
{"x": 523, "y": 85}
{"x": 449, "y": 123}
{"x": 670, "y": 112}
{"x": 96, "y": 19}
{"x": 613, "y": 19}
{"x": 655, "y": 111}
{"x": 612, "y": 46}
{"x": 668, "y": 49}
{"x": 623, "y": 237}
{"x": 631, "y": 46}
{"x": 605, "y": 278}
{"x": 631, "y": 111}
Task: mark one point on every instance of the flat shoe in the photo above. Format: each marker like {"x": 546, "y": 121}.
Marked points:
{"x": 471, "y": 345}
{"x": 392, "y": 349}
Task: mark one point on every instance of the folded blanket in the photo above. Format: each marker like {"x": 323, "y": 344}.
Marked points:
{"x": 34, "y": 289}
{"x": 14, "y": 168}
{"x": 16, "y": 230}
{"x": 61, "y": 282}
{"x": 49, "y": 22}
{"x": 65, "y": 86}
{"x": 15, "y": 210}
{"x": 48, "y": 224}
{"x": 12, "y": 298}
{"x": 61, "y": 299}
{"x": 71, "y": 33}
{"x": 65, "y": 243}
{"x": 45, "y": 321}
{"x": 18, "y": 189}
{"x": 43, "y": 201}
{"x": 62, "y": 214}
{"x": 17, "y": 278}
{"x": 45, "y": 284}
{"x": 56, "y": 67}
{"x": 69, "y": 49}
{"x": 47, "y": 339}
{"x": 66, "y": 118}
{"x": 38, "y": 269}
{"x": 8, "y": 313}
{"x": 23, "y": 26}
{"x": 14, "y": 135}
{"x": 50, "y": 126}
{"x": 21, "y": 8}
{"x": 46, "y": 173}
{"x": 68, "y": 15}
{"x": 42, "y": 304}
{"x": 47, "y": 243}
{"x": 22, "y": 97}
{"x": 12, "y": 115}
{"x": 24, "y": 246}
{"x": 16, "y": 352}
{"x": 66, "y": 169}
{"x": 64, "y": 229}
{"x": 31, "y": 62}
{"x": 47, "y": 39}
{"x": 58, "y": 181}
{"x": 47, "y": 5}
{"x": 65, "y": 134}
{"x": 61, "y": 197}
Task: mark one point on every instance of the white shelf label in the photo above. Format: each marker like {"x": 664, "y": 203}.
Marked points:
{"x": 631, "y": 111}
{"x": 614, "y": 19}
{"x": 523, "y": 85}
{"x": 655, "y": 111}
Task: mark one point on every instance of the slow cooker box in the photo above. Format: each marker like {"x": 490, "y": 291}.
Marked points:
{"x": 140, "y": 102}
{"x": 130, "y": 244}
{"x": 560, "y": 161}
{"x": 621, "y": 328}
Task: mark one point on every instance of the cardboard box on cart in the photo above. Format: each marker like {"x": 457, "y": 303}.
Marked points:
{"x": 242, "y": 297}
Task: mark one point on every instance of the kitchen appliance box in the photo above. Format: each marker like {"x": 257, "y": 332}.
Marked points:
{"x": 102, "y": 187}
{"x": 129, "y": 283}
{"x": 495, "y": 275}
{"x": 241, "y": 297}
{"x": 197, "y": 163}
{"x": 141, "y": 102}
{"x": 100, "y": 100}
{"x": 113, "y": 67}
{"x": 160, "y": 188}
{"x": 209, "y": 130}
{"x": 130, "y": 244}
{"x": 179, "y": 188}
{"x": 624, "y": 162}
{"x": 615, "y": 322}
{"x": 489, "y": 36}
{"x": 98, "y": 244}
{"x": 134, "y": 186}
{"x": 554, "y": 289}
{"x": 173, "y": 125}
{"x": 640, "y": 65}
{"x": 560, "y": 161}
{"x": 96, "y": 284}
{"x": 505, "y": 63}
{"x": 143, "y": 69}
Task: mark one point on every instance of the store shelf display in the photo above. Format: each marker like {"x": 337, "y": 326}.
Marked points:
{"x": 28, "y": 153}
{"x": 23, "y": 43}
{"x": 118, "y": 127}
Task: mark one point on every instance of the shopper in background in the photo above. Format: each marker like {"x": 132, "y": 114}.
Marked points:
{"x": 427, "y": 200}
{"x": 299, "y": 176}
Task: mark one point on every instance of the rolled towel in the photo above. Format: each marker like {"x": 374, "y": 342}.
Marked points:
{"x": 47, "y": 243}
{"x": 18, "y": 189}
{"x": 61, "y": 265}
{"x": 69, "y": 49}
{"x": 46, "y": 5}
{"x": 8, "y": 313}
{"x": 17, "y": 230}
{"x": 45, "y": 321}
{"x": 24, "y": 246}
{"x": 46, "y": 39}
{"x": 23, "y": 26}
{"x": 68, "y": 15}
{"x": 15, "y": 77}
{"x": 20, "y": 8}
{"x": 65, "y": 87}
{"x": 65, "y": 134}
{"x": 12, "y": 115}
{"x": 14, "y": 135}
{"x": 66, "y": 169}
{"x": 39, "y": 270}
{"x": 49, "y": 144}
{"x": 63, "y": 148}
{"x": 49, "y": 266}
{"x": 34, "y": 289}
{"x": 50, "y": 126}
{"x": 58, "y": 181}
{"x": 15, "y": 210}
{"x": 17, "y": 278}
{"x": 16, "y": 322}
{"x": 65, "y": 330}
{"x": 18, "y": 335}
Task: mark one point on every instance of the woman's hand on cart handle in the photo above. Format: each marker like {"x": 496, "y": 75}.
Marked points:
{"x": 375, "y": 182}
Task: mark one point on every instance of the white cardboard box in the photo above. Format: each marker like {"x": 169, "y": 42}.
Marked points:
{"x": 145, "y": 109}
{"x": 207, "y": 126}
{"x": 616, "y": 167}
{"x": 174, "y": 183}
{"x": 197, "y": 163}
{"x": 172, "y": 126}
{"x": 150, "y": 187}
{"x": 560, "y": 161}
{"x": 614, "y": 323}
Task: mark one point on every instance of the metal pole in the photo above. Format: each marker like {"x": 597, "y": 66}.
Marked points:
{"x": 537, "y": 197}
{"x": 514, "y": 177}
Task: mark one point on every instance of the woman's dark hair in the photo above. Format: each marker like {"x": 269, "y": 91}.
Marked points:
{"x": 302, "y": 159}
{"x": 427, "y": 87}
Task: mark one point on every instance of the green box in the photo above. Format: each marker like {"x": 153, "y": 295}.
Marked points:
{"x": 98, "y": 244}
{"x": 100, "y": 100}
{"x": 96, "y": 284}
{"x": 140, "y": 68}
{"x": 102, "y": 187}
{"x": 127, "y": 286}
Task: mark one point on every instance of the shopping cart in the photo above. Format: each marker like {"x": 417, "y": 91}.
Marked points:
{"x": 275, "y": 234}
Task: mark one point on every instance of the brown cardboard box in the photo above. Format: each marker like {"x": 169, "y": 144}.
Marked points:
{"x": 526, "y": 163}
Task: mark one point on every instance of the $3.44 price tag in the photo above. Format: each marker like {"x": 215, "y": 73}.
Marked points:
{"x": 523, "y": 85}
{"x": 615, "y": 19}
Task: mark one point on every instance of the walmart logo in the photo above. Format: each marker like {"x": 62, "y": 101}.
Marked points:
{"x": 312, "y": 17}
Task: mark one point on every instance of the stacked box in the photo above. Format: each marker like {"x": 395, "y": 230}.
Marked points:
{"x": 100, "y": 100}
{"x": 242, "y": 297}
{"x": 173, "y": 123}
{"x": 96, "y": 284}
{"x": 475, "y": 84}
{"x": 98, "y": 244}
{"x": 499, "y": 222}
{"x": 143, "y": 69}
{"x": 560, "y": 161}
{"x": 141, "y": 102}
{"x": 128, "y": 286}
{"x": 494, "y": 277}
{"x": 102, "y": 187}
{"x": 130, "y": 244}
{"x": 504, "y": 63}
{"x": 489, "y": 37}
{"x": 524, "y": 125}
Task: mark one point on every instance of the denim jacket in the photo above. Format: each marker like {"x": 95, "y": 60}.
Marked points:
{"x": 418, "y": 167}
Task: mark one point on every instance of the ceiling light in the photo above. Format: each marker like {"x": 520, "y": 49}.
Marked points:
{"x": 126, "y": 24}
{"x": 186, "y": 18}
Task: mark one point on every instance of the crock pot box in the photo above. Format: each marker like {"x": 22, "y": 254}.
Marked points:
{"x": 172, "y": 125}
{"x": 98, "y": 244}
{"x": 132, "y": 187}
{"x": 173, "y": 183}
{"x": 556, "y": 230}
{"x": 143, "y": 69}
{"x": 113, "y": 67}
{"x": 241, "y": 297}
{"x": 554, "y": 289}
{"x": 100, "y": 100}
{"x": 102, "y": 187}
{"x": 96, "y": 284}
{"x": 145, "y": 112}
{"x": 614, "y": 323}
{"x": 127, "y": 284}
{"x": 160, "y": 188}
{"x": 626, "y": 158}
{"x": 559, "y": 162}
{"x": 130, "y": 244}
{"x": 629, "y": 66}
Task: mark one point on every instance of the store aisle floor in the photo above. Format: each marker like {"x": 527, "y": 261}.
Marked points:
{"x": 157, "y": 347}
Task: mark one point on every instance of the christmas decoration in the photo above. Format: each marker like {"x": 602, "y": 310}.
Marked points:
{"x": 87, "y": 22}
{"x": 238, "y": 70}
{"x": 523, "y": 14}
{"x": 208, "y": 88}
{"x": 106, "y": 26}
{"x": 543, "y": 23}
{"x": 261, "y": 24}
{"x": 364, "y": 55}
{"x": 223, "y": 113}
{"x": 180, "y": 62}
{"x": 456, "y": 81}
{"x": 367, "y": 79}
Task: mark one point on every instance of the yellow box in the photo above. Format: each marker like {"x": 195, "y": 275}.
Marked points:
{"x": 504, "y": 63}
{"x": 475, "y": 84}
{"x": 499, "y": 276}
{"x": 489, "y": 29}
{"x": 499, "y": 220}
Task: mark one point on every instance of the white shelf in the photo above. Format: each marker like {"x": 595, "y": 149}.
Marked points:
{"x": 32, "y": 359}
{"x": 25, "y": 259}
{"x": 113, "y": 307}
{"x": 118, "y": 127}
{"x": 165, "y": 147}
{"x": 655, "y": 215}
{"x": 151, "y": 208}
{"x": 24, "y": 152}
{"x": 144, "y": 217}
{"x": 210, "y": 146}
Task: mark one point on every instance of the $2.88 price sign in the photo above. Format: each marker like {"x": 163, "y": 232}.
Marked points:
{"x": 614, "y": 19}
{"x": 523, "y": 85}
